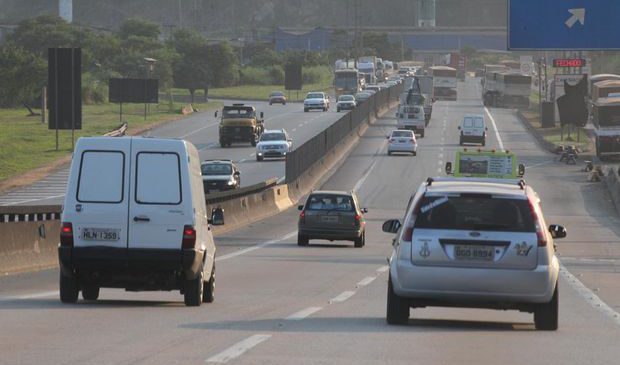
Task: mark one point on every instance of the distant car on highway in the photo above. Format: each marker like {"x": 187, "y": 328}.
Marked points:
{"x": 362, "y": 97}
{"x": 473, "y": 130}
{"x": 332, "y": 215}
{"x": 220, "y": 175}
{"x": 316, "y": 100}
{"x": 345, "y": 102}
{"x": 273, "y": 143}
{"x": 475, "y": 242}
{"x": 402, "y": 140}
{"x": 373, "y": 88}
{"x": 277, "y": 97}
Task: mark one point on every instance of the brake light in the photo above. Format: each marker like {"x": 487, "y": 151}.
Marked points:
{"x": 66, "y": 234}
{"x": 540, "y": 234}
{"x": 189, "y": 237}
{"x": 302, "y": 217}
{"x": 358, "y": 219}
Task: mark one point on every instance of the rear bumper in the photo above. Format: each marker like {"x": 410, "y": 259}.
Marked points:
{"x": 473, "y": 139}
{"x": 403, "y": 148}
{"x": 277, "y": 101}
{"x": 315, "y": 106}
{"x": 446, "y": 286}
{"x": 345, "y": 107}
{"x": 121, "y": 265}
{"x": 330, "y": 234}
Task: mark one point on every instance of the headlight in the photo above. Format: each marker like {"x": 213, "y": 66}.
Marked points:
{"x": 231, "y": 182}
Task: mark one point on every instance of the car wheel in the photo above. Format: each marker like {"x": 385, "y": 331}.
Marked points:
{"x": 546, "y": 315}
{"x": 284, "y": 103}
{"x": 422, "y": 134}
{"x": 253, "y": 141}
{"x": 259, "y": 158}
{"x": 305, "y": 110}
{"x": 461, "y": 141}
{"x": 208, "y": 290}
{"x": 337, "y": 110}
{"x": 389, "y": 153}
{"x": 484, "y": 142}
{"x": 361, "y": 241}
{"x": 415, "y": 153}
{"x": 222, "y": 143}
{"x": 302, "y": 240}
{"x": 194, "y": 290}
{"x": 69, "y": 289}
{"x": 270, "y": 103}
{"x": 90, "y": 292}
{"x": 397, "y": 308}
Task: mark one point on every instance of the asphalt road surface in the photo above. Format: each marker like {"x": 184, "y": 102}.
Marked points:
{"x": 201, "y": 129}
{"x": 278, "y": 303}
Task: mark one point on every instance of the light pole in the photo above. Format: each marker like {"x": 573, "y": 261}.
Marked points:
{"x": 150, "y": 65}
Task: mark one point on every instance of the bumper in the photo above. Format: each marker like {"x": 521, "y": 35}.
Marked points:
{"x": 403, "y": 148}
{"x": 277, "y": 101}
{"x": 345, "y": 107}
{"x": 209, "y": 187}
{"x": 410, "y": 127}
{"x": 131, "y": 268}
{"x": 454, "y": 286}
{"x": 271, "y": 154}
{"x": 330, "y": 234}
{"x": 473, "y": 139}
{"x": 237, "y": 133}
{"x": 315, "y": 106}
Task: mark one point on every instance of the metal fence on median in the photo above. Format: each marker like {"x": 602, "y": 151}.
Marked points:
{"x": 309, "y": 153}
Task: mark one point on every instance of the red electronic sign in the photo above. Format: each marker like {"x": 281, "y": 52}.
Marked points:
{"x": 569, "y": 62}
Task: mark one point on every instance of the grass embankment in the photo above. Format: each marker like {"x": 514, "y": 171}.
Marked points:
{"x": 27, "y": 144}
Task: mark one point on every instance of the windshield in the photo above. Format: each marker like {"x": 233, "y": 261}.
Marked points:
{"x": 315, "y": 96}
{"x": 347, "y": 81}
{"x": 277, "y": 93}
{"x": 473, "y": 122}
{"x": 397, "y": 134}
{"x": 329, "y": 202}
{"x": 216, "y": 169}
{"x": 273, "y": 137}
{"x": 362, "y": 96}
{"x": 346, "y": 98}
{"x": 238, "y": 113}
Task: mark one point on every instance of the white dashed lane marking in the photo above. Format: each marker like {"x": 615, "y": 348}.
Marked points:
{"x": 303, "y": 313}
{"x": 342, "y": 297}
{"x": 238, "y": 349}
{"x": 367, "y": 280}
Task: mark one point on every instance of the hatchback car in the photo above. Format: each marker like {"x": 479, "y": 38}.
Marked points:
{"x": 316, "y": 100}
{"x": 345, "y": 102}
{"x": 362, "y": 97}
{"x": 473, "y": 130}
{"x": 220, "y": 175}
{"x": 277, "y": 97}
{"x": 402, "y": 141}
{"x": 477, "y": 243}
{"x": 273, "y": 143}
{"x": 332, "y": 215}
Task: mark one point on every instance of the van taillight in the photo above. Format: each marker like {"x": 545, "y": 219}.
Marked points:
{"x": 540, "y": 234}
{"x": 66, "y": 234}
{"x": 302, "y": 217}
{"x": 189, "y": 237}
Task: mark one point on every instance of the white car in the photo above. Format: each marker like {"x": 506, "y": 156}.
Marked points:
{"x": 273, "y": 143}
{"x": 373, "y": 88}
{"x": 402, "y": 140}
{"x": 346, "y": 102}
{"x": 475, "y": 243}
{"x": 473, "y": 130}
{"x": 316, "y": 100}
{"x": 135, "y": 218}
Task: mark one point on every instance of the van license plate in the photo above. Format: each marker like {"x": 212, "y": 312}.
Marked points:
{"x": 101, "y": 234}
{"x": 473, "y": 252}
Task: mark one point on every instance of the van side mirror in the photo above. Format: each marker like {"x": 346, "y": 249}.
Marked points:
{"x": 557, "y": 231}
{"x": 391, "y": 226}
{"x": 521, "y": 170}
{"x": 237, "y": 173}
{"x": 217, "y": 216}
{"x": 262, "y": 114}
{"x": 216, "y": 113}
{"x": 300, "y": 207}
{"x": 459, "y": 127}
{"x": 448, "y": 168}
{"x": 364, "y": 210}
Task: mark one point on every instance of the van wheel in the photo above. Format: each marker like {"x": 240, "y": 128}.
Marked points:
{"x": 302, "y": 240}
{"x": 305, "y": 110}
{"x": 361, "y": 241}
{"x": 90, "y": 292}
{"x": 193, "y": 291}
{"x": 484, "y": 142}
{"x": 546, "y": 315}
{"x": 69, "y": 289}
{"x": 222, "y": 143}
{"x": 208, "y": 290}
{"x": 460, "y": 141}
{"x": 397, "y": 308}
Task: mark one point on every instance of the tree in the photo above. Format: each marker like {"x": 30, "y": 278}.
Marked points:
{"x": 223, "y": 65}
{"x": 468, "y": 51}
{"x": 134, "y": 27}
{"x": 191, "y": 70}
{"x": 22, "y": 75}
{"x": 38, "y": 34}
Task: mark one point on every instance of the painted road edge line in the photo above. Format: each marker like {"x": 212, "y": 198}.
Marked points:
{"x": 365, "y": 281}
{"x": 303, "y": 313}
{"x": 499, "y": 139}
{"x": 383, "y": 269}
{"x": 30, "y": 296}
{"x": 254, "y": 248}
{"x": 342, "y": 297}
{"x": 238, "y": 349}
{"x": 589, "y": 296}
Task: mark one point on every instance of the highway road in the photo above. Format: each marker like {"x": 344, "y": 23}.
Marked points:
{"x": 201, "y": 129}
{"x": 278, "y": 303}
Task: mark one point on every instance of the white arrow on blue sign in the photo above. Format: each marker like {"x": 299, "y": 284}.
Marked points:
{"x": 563, "y": 24}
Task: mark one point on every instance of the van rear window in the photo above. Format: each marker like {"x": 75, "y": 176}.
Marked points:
{"x": 158, "y": 178}
{"x": 101, "y": 177}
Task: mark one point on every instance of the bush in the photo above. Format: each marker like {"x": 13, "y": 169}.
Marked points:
{"x": 276, "y": 75}
{"x": 316, "y": 74}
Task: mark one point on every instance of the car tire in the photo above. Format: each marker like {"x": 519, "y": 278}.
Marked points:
{"x": 484, "y": 142}
{"x": 460, "y": 141}
{"x": 208, "y": 290}
{"x": 194, "y": 290}
{"x": 69, "y": 288}
{"x": 337, "y": 110}
{"x": 305, "y": 110}
{"x": 303, "y": 240}
{"x": 415, "y": 153}
{"x": 90, "y": 292}
{"x": 284, "y": 103}
{"x": 253, "y": 142}
{"x": 258, "y": 158}
{"x": 222, "y": 143}
{"x": 389, "y": 153}
{"x": 397, "y": 308}
{"x": 546, "y": 315}
{"x": 270, "y": 103}
{"x": 422, "y": 134}
{"x": 360, "y": 241}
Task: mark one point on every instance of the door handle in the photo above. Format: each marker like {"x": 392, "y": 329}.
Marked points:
{"x": 141, "y": 219}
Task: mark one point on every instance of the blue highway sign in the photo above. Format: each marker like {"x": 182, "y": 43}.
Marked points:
{"x": 563, "y": 24}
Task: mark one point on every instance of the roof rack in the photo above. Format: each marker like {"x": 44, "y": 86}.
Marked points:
{"x": 518, "y": 182}
{"x": 218, "y": 160}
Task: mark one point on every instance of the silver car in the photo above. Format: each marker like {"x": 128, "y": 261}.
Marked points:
{"x": 478, "y": 243}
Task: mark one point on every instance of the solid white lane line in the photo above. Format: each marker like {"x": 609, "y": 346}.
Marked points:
{"x": 383, "y": 269}
{"x": 254, "y": 248}
{"x": 499, "y": 139}
{"x": 441, "y": 155}
{"x": 241, "y": 161}
{"x": 342, "y": 297}
{"x": 238, "y": 349}
{"x": 589, "y": 296}
{"x": 303, "y": 313}
{"x": 365, "y": 281}
{"x": 198, "y": 130}
{"x": 44, "y": 294}
{"x": 294, "y": 129}
{"x": 361, "y": 181}
{"x": 253, "y": 155}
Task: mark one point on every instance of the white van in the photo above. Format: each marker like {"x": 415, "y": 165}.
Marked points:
{"x": 411, "y": 117}
{"x": 135, "y": 217}
{"x": 473, "y": 130}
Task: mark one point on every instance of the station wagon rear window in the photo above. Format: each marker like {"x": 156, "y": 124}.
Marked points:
{"x": 341, "y": 203}
{"x": 473, "y": 122}
{"x": 158, "y": 178}
{"x": 101, "y": 177}
{"x": 475, "y": 212}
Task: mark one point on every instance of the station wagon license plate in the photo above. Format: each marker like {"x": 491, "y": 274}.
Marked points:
{"x": 474, "y": 252}
{"x": 101, "y": 234}
{"x": 329, "y": 219}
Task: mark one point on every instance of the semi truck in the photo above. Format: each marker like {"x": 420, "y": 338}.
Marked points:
{"x": 347, "y": 82}
{"x": 606, "y": 121}
{"x": 444, "y": 82}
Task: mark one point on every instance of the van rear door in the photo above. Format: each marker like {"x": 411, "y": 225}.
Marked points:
{"x": 96, "y": 201}
{"x": 157, "y": 209}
